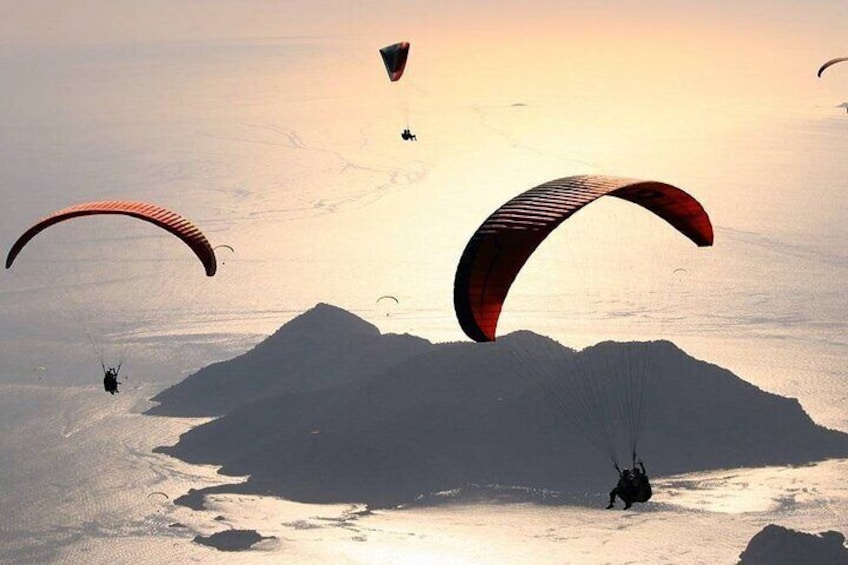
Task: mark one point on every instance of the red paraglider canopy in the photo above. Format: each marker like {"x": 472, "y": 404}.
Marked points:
{"x": 503, "y": 243}
{"x": 161, "y": 217}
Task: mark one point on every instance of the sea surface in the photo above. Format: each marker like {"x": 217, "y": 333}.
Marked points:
{"x": 80, "y": 484}
{"x": 287, "y": 150}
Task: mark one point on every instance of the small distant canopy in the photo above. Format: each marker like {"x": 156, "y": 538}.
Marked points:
{"x": 224, "y": 247}
{"x": 388, "y": 297}
{"x": 394, "y": 57}
{"x": 830, "y": 63}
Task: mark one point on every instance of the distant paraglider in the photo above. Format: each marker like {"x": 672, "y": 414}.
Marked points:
{"x": 829, "y": 64}
{"x": 679, "y": 275}
{"x": 502, "y": 244}
{"x": 156, "y": 215}
{"x": 159, "y": 494}
{"x": 394, "y": 59}
{"x": 224, "y": 247}
{"x": 387, "y": 300}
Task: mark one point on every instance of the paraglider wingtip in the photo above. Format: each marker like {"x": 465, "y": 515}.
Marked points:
{"x": 475, "y": 332}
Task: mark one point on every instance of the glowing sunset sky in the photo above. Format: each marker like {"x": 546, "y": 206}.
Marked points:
{"x": 272, "y": 125}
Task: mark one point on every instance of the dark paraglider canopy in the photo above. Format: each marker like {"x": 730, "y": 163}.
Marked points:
{"x": 394, "y": 57}
{"x": 499, "y": 248}
{"x": 156, "y": 215}
{"x": 830, "y": 63}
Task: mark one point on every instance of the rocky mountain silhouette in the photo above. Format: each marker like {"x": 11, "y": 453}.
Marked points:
{"x": 322, "y": 348}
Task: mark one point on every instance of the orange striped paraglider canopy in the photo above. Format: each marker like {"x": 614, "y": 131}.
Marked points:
{"x": 156, "y": 215}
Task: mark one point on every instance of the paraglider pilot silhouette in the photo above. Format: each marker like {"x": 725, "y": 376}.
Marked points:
{"x": 394, "y": 58}
{"x": 633, "y": 486}
{"x": 110, "y": 379}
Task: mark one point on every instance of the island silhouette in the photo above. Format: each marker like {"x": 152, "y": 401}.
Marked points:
{"x": 328, "y": 409}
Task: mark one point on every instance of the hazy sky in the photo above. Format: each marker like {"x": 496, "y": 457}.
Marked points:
{"x": 271, "y": 122}
{"x": 94, "y": 21}
{"x": 761, "y": 45}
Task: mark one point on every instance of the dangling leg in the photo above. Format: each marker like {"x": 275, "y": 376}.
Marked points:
{"x": 611, "y": 504}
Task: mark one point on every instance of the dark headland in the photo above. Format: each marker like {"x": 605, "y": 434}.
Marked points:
{"x": 328, "y": 409}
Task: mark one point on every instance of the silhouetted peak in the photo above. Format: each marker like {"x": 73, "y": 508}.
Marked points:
{"x": 327, "y": 320}
{"x": 527, "y": 340}
{"x": 661, "y": 347}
